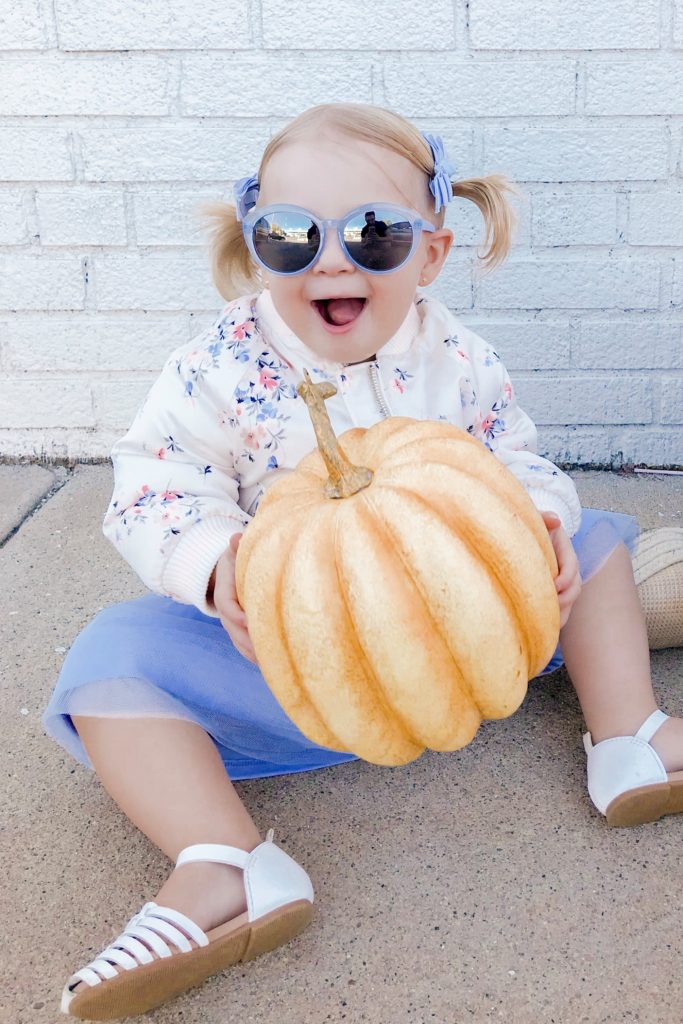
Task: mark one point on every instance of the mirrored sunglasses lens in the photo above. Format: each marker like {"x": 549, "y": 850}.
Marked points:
{"x": 286, "y": 241}
{"x": 379, "y": 239}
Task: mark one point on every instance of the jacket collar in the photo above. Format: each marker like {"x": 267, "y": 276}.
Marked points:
{"x": 275, "y": 330}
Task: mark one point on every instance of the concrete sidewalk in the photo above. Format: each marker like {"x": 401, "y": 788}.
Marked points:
{"x": 473, "y": 886}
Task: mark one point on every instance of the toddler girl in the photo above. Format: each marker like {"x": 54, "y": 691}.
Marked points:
{"x": 327, "y": 247}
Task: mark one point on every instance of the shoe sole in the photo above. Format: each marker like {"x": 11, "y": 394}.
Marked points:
{"x": 647, "y": 803}
{"x": 134, "y": 992}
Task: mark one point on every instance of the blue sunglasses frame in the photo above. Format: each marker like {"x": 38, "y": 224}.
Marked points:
{"x": 417, "y": 224}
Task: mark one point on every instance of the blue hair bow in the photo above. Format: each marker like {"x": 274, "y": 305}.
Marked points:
{"x": 440, "y": 182}
{"x": 245, "y": 192}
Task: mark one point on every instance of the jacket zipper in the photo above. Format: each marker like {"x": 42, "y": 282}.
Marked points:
{"x": 373, "y": 369}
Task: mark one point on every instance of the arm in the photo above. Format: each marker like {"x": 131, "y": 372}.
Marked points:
{"x": 511, "y": 435}
{"x": 174, "y": 506}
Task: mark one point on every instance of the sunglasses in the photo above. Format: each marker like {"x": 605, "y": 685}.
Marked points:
{"x": 378, "y": 238}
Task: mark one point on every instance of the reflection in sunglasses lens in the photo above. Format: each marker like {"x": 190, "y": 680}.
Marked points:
{"x": 286, "y": 241}
{"x": 377, "y": 240}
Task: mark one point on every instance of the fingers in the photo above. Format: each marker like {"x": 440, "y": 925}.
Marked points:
{"x": 568, "y": 579}
{"x": 235, "y": 624}
{"x": 551, "y": 520}
{"x": 567, "y": 599}
{"x": 226, "y": 585}
{"x": 569, "y": 569}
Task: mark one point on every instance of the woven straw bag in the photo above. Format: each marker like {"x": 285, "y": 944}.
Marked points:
{"x": 658, "y": 571}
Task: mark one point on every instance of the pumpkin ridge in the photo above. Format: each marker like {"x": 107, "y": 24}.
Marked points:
{"x": 465, "y": 688}
{"x": 323, "y": 734}
{"x": 492, "y": 568}
{"x": 324, "y": 657}
{"x": 367, "y": 666}
{"x": 296, "y": 672}
{"x": 389, "y": 464}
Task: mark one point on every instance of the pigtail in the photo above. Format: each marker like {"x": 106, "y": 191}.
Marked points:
{"x": 500, "y": 219}
{"x": 232, "y": 267}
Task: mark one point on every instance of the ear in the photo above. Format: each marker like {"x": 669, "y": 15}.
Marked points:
{"x": 435, "y": 253}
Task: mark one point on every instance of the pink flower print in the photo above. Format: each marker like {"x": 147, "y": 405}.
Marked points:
{"x": 508, "y": 390}
{"x": 487, "y": 423}
{"x": 170, "y": 495}
{"x": 240, "y": 330}
{"x": 268, "y": 380}
{"x": 462, "y": 355}
{"x": 161, "y": 453}
{"x": 400, "y": 381}
{"x": 253, "y": 438}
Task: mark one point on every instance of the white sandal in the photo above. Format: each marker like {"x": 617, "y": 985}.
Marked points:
{"x": 627, "y": 781}
{"x": 280, "y": 905}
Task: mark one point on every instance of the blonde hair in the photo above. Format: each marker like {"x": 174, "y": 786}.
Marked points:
{"x": 234, "y": 271}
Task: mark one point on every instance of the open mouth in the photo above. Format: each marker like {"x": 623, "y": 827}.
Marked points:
{"x": 340, "y": 313}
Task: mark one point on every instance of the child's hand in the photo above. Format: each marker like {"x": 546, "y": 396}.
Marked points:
{"x": 225, "y": 598}
{"x": 568, "y": 581}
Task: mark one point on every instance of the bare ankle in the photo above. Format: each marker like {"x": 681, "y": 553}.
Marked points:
{"x": 668, "y": 742}
{"x": 210, "y": 894}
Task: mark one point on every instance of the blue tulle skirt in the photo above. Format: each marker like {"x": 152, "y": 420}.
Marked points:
{"x": 156, "y": 657}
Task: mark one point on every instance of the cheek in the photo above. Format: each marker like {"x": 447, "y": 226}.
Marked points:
{"x": 288, "y": 300}
{"x": 398, "y": 289}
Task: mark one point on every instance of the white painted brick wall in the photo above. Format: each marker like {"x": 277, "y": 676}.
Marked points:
{"x": 21, "y": 26}
{"x": 13, "y": 218}
{"x": 137, "y": 85}
{"x": 31, "y": 154}
{"x": 153, "y": 25}
{"x": 555, "y": 25}
{"x": 118, "y": 120}
{"x": 672, "y": 400}
{"x": 81, "y": 216}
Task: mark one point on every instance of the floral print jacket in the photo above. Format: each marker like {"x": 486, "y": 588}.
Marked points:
{"x": 223, "y": 420}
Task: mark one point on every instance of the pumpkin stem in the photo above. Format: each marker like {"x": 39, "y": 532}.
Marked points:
{"x": 345, "y": 479}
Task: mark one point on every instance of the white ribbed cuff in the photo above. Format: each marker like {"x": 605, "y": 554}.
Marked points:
{"x": 548, "y": 501}
{"x": 187, "y": 573}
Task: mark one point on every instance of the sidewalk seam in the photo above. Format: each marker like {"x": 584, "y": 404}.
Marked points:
{"x": 54, "y": 489}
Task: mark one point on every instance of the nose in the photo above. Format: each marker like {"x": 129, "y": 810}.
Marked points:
{"x": 332, "y": 259}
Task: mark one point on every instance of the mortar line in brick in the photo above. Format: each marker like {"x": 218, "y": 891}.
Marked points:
{"x": 668, "y": 284}
{"x": 567, "y": 121}
{"x": 657, "y": 401}
{"x": 381, "y": 82}
{"x": 256, "y": 23}
{"x": 466, "y": 46}
{"x": 56, "y": 487}
{"x": 173, "y": 86}
{"x": 89, "y": 294}
{"x": 373, "y": 84}
{"x": 49, "y": 14}
{"x": 666, "y": 26}
{"x": 129, "y": 217}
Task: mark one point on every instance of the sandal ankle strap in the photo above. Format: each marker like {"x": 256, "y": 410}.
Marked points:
{"x": 651, "y": 725}
{"x": 647, "y": 730}
{"x": 218, "y": 853}
{"x": 622, "y": 763}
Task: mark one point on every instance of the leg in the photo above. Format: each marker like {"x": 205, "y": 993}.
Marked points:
{"x": 167, "y": 777}
{"x": 605, "y": 649}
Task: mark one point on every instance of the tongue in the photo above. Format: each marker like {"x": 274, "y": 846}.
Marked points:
{"x": 343, "y": 311}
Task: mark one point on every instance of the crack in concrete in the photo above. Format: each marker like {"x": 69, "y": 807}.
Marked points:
{"x": 54, "y": 489}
